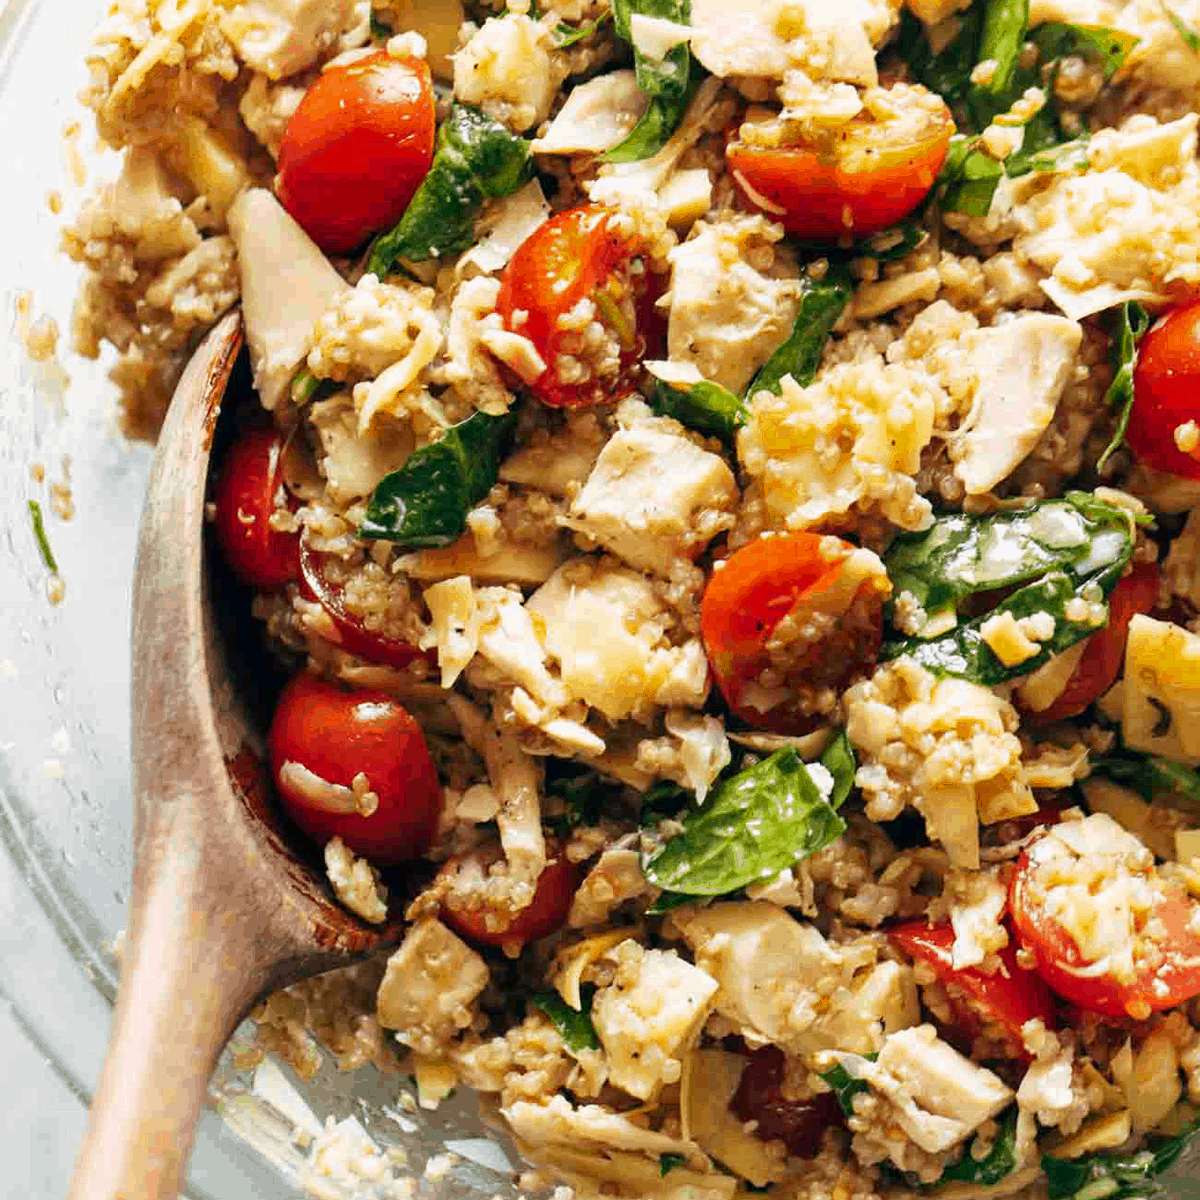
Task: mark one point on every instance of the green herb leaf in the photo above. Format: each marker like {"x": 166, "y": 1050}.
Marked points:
{"x": 578, "y": 1032}
{"x": 1000, "y": 40}
{"x": 476, "y": 159}
{"x": 669, "y": 82}
{"x": 1134, "y": 321}
{"x": 379, "y": 30}
{"x": 846, "y": 1086}
{"x": 1109, "y": 48}
{"x": 669, "y": 901}
{"x": 705, "y": 407}
{"x": 426, "y": 501}
{"x": 1185, "y": 31}
{"x": 1061, "y": 545}
{"x": 947, "y": 72}
{"x": 821, "y": 304}
{"x": 750, "y": 826}
{"x": 999, "y": 1162}
{"x": 1117, "y": 1176}
{"x": 668, "y": 1162}
{"x": 308, "y": 387}
{"x": 839, "y": 760}
{"x": 567, "y": 35}
{"x": 584, "y": 792}
{"x": 39, "y": 534}
{"x": 1150, "y": 776}
{"x": 968, "y": 178}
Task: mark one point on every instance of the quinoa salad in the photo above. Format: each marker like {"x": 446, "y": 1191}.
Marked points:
{"x": 723, "y": 489}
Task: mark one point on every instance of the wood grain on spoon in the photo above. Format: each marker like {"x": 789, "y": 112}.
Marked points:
{"x": 222, "y": 910}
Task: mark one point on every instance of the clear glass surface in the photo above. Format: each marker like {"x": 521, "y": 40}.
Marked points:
{"x": 65, "y": 807}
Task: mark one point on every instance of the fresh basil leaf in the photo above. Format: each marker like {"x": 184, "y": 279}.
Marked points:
{"x": 476, "y": 159}
{"x": 948, "y": 71}
{"x": 821, "y": 304}
{"x": 705, "y": 407}
{"x": 1117, "y": 1176}
{"x": 846, "y": 1086}
{"x": 968, "y": 178}
{"x": 669, "y": 82}
{"x": 839, "y": 760}
{"x": 1062, "y": 545}
{"x": 1109, "y": 48}
{"x": 750, "y": 826}
{"x": 999, "y": 1162}
{"x": 668, "y": 1162}
{"x": 1185, "y": 31}
{"x": 584, "y": 792}
{"x": 1150, "y": 776}
{"x": 426, "y": 501}
{"x": 39, "y": 536}
{"x": 1133, "y": 323}
{"x": 567, "y": 35}
{"x": 1041, "y": 150}
{"x": 578, "y": 1032}
{"x": 662, "y": 800}
{"x": 1001, "y": 37}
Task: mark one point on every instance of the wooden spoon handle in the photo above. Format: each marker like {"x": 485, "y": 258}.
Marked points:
{"x": 183, "y": 992}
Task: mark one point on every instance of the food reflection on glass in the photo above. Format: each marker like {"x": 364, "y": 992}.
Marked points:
{"x": 723, "y": 484}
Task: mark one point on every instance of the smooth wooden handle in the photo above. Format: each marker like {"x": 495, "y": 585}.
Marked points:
{"x": 184, "y": 990}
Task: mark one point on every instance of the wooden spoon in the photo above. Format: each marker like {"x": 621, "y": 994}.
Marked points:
{"x": 222, "y": 910}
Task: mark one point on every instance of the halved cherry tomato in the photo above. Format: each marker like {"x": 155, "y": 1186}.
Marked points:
{"x": 835, "y": 625}
{"x": 1166, "y": 970}
{"x": 572, "y": 257}
{"x": 546, "y": 913}
{"x": 1104, "y": 651}
{"x": 860, "y": 178}
{"x": 357, "y": 148}
{"x": 982, "y": 1002}
{"x": 799, "y": 1124}
{"x": 352, "y": 634}
{"x": 249, "y": 489}
{"x": 1166, "y": 380}
{"x": 323, "y": 737}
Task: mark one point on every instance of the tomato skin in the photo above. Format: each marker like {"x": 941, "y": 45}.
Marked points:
{"x": 244, "y": 498}
{"x": 572, "y": 256}
{"x": 1166, "y": 383}
{"x": 546, "y": 913}
{"x": 336, "y": 733}
{"x": 1059, "y": 961}
{"x": 819, "y": 193}
{"x": 353, "y": 636}
{"x": 759, "y": 585}
{"x": 1104, "y": 651}
{"x": 1009, "y": 998}
{"x": 799, "y": 1124}
{"x": 357, "y": 148}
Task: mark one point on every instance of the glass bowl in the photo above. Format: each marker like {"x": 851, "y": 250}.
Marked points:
{"x": 65, "y": 809}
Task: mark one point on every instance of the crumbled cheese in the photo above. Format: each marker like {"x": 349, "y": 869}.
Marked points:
{"x": 648, "y": 1017}
{"x": 281, "y": 37}
{"x": 977, "y": 902}
{"x": 505, "y": 69}
{"x": 1004, "y": 636}
{"x": 356, "y": 882}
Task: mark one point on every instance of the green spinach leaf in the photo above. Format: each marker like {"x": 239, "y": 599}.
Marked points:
{"x": 1000, "y": 40}
{"x": 578, "y": 1032}
{"x": 751, "y": 825}
{"x": 567, "y": 35}
{"x": 846, "y": 1086}
{"x": 968, "y": 178}
{"x": 705, "y": 407}
{"x": 1117, "y": 1176}
{"x": 999, "y": 1162}
{"x": 669, "y": 82}
{"x": 426, "y": 501}
{"x": 839, "y": 760}
{"x": 1133, "y": 323}
{"x": 668, "y": 1162}
{"x": 1055, "y": 548}
{"x": 379, "y": 30}
{"x": 1057, "y": 40}
{"x": 476, "y": 159}
{"x": 1185, "y": 31}
{"x": 1150, "y": 776}
{"x": 821, "y": 305}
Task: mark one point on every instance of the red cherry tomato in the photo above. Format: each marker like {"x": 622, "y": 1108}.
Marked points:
{"x": 1166, "y": 379}
{"x": 352, "y": 634}
{"x": 249, "y": 489}
{"x": 357, "y": 148}
{"x": 799, "y": 1124}
{"x": 869, "y": 173}
{"x": 1104, "y": 651}
{"x": 802, "y": 577}
{"x": 577, "y": 256}
{"x": 1166, "y": 972}
{"x": 546, "y": 913}
{"x": 982, "y": 1002}
{"x": 322, "y": 737}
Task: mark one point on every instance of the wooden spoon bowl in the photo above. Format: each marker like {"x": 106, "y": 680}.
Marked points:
{"x": 223, "y": 908}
